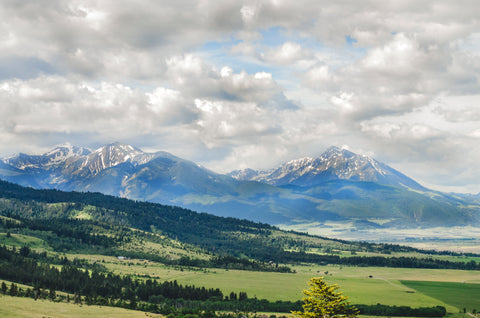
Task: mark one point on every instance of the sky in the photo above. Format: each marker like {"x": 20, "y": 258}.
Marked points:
{"x": 237, "y": 84}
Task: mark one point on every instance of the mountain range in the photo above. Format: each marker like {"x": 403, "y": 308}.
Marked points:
{"x": 337, "y": 187}
{"x": 333, "y": 164}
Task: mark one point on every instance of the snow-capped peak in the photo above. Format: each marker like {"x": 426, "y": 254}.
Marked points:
{"x": 111, "y": 155}
{"x": 244, "y": 174}
{"x": 117, "y": 147}
{"x": 49, "y": 160}
{"x": 65, "y": 151}
{"x": 334, "y": 164}
{"x": 300, "y": 162}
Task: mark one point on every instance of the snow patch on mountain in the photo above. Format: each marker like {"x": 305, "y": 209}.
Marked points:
{"x": 80, "y": 161}
{"x": 47, "y": 161}
{"x": 334, "y": 164}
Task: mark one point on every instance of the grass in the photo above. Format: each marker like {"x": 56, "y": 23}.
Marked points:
{"x": 363, "y": 285}
{"x": 169, "y": 248}
{"x": 385, "y": 286}
{"x": 275, "y": 286}
{"x": 26, "y": 308}
{"x": 19, "y": 240}
{"x": 20, "y": 307}
{"x": 460, "y": 295}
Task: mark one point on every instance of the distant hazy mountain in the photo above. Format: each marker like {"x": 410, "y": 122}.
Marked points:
{"x": 333, "y": 164}
{"x": 339, "y": 186}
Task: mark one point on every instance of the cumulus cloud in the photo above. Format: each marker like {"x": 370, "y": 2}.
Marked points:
{"x": 111, "y": 39}
{"x": 394, "y": 78}
{"x": 199, "y": 80}
{"x": 287, "y": 53}
{"x": 229, "y": 82}
{"x": 227, "y": 109}
{"x": 232, "y": 123}
{"x": 49, "y": 105}
{"x": 401, "y": 131}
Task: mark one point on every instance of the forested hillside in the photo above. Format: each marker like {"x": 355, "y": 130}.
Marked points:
{"x": 93, "y": 221}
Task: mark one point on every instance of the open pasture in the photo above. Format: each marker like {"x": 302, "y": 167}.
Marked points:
{"x": 460, "y": 295}
{"x": 363, "y": 285}
{"x": 360, "y": 288}
{"x": 21, "y": 307}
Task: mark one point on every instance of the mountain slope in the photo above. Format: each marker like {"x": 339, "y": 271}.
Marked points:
{"x": 333, "y": 164}
{"x": 51, "y": 160}
{"x": 123, "y": 170}
{"x": 339, "y": 186}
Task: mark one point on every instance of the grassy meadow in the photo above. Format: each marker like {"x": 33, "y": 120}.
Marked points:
{"x": 460, "y": 295}
{"x": 363, "y": 285}
{"x": 20, "y": 307}
{"x": 19, "y": 240}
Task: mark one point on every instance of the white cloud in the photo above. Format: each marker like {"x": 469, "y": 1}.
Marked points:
{"x": 319, "y": 76}
{"x": 245, "y": 48}
{"x": 249, "y": 14}
{"x": 197, "y": 79}
{"x": 404, "y": 132}
{"x": 222, "y": 123}
{"x": 287, "y": 53}
{"x": 395, "y": 78}
{"x": 398, "y": 78}
{"x": 50, "y": 105}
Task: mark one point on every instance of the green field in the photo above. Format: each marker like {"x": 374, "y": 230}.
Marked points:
{"x": 460, "y": 295}
{"x": 385, "y": 286}
{"x": 353, "y": 281}
{"x": 20, "y": 307}
{"x": 363, "y": 285}
{"x": 19, "y": 240}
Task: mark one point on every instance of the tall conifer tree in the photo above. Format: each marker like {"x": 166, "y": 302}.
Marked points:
{"x": 323, "y": 301}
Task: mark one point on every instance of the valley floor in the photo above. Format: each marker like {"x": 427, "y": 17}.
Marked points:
{"x": 461, "y": 239}
{"x": 363, "y": 285}
{"x": 20, "y": 307}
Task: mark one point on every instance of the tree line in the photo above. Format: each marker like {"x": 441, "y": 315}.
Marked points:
{"x": 17, "y": 267}
{"x": 401, "y": 311}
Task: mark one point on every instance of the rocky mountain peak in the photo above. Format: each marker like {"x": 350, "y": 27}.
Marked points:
{"x": 49, "y": 160}
{"x": 109, "y": 156}
{"x": 65, "y": 151}
{"x": 333, "y": 164}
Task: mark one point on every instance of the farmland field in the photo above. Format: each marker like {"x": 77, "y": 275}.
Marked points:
{"x": 460, "y": 295}
{"x": 363, "y": 285}
{"x": 384, "y": 288}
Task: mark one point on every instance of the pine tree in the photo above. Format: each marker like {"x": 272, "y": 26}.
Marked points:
{"x": 13, "y": 290}
{"x": 52, "y": 294}
{"x": 323, "y": 301}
